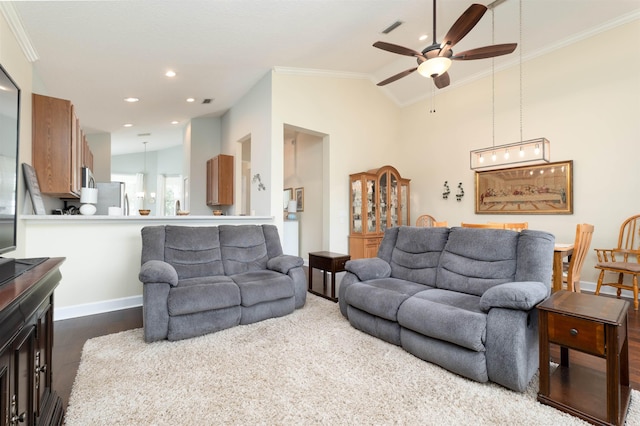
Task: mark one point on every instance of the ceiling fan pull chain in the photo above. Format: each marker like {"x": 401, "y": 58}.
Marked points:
{"x": 433, "y": 100}
{"x": 520, "y": 53}
{"x": 493, "y": 83}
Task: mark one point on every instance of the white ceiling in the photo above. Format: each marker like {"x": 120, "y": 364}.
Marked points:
{"x": 96, "y": 53}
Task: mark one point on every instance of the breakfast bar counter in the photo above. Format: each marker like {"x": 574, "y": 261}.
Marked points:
{"x": 103, "y": 255}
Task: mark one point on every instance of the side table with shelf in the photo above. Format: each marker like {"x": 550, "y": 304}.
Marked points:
{"x": 326, "y": 261}
{"x": 597, "y": 326}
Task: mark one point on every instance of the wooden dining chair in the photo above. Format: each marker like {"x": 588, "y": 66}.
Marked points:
{"x": 514, "y": 226}
{"x": 571, "y": 277}
{"x": 624, "y": 260}
{"x": 440, "y": 224}
{"x": 425, "y": 221}
{"x": 482, "y": 225}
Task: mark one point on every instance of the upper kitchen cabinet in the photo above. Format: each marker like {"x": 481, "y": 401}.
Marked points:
{"x": 220, "y": 180}
{"x": 59, "y": 147}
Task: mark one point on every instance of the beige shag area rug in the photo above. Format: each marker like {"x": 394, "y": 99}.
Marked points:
{"x": 310, "y": 367}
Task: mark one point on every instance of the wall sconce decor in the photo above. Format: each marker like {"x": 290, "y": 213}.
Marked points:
{"x": 445, "y": 190}
{"x": 256, "y": 178}
{"x": 460, "y": 192}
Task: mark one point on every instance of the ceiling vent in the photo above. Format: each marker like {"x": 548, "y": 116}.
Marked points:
{"x": 392, "y": 27}
{"x": 144, "y": 134}
{"x": 207, "y": 101}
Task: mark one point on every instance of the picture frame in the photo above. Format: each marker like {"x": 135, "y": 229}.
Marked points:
{"x": 538, "y": 189}
{"x": 299, "y": 193}
{"x": 31, "y": 180}
{"x": 287, "y": 195}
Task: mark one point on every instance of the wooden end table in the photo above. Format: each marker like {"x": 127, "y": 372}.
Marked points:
{"x": 595, "y": 325}
{"x": 327, "y": 262}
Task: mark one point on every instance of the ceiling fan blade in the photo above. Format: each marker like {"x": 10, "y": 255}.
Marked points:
{"x": 462, "y": 26}
{"x": 486, "y": 52}
{"x": 394, "y": 48}
{"x": 397, "y": 76}
{"x": 442, "y": 80}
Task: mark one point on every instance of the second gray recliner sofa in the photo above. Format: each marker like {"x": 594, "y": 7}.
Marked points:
{"x": 462, "y": 298}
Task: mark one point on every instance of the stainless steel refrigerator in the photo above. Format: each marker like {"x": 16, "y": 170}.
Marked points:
{"x": 111, "y": 194}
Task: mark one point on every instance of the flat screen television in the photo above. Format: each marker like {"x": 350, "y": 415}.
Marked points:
{"x": 9, "y": 136}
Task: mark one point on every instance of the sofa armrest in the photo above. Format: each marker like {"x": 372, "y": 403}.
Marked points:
{"x": 157, "y": 271}
{"x": 284, "y": 263}
{"x": 368, "y": 269}
{"x": 523, "y": 295}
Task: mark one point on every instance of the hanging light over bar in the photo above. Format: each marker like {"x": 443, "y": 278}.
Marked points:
{"x": 534, "y": 151}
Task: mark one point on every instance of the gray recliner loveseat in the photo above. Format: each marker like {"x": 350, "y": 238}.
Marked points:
{"x": 462, "y": 298}
{"x": 199, "y": 280}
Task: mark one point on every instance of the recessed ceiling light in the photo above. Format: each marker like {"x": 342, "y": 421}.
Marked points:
{"x": 170, "y": 73}
{"x": 423, "y": 37}
{"x": 175, "y": 122}
{"x": 191, "y": 99}
{"x": 127, "y": 125}
{"x": 131, "y": 99}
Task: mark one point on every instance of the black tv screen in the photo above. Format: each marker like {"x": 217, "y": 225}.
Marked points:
{"x": 9, "y": 127}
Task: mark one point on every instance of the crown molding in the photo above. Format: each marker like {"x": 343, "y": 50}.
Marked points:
{"x": 15, "y": 23}
{"x": 321, "y": 73}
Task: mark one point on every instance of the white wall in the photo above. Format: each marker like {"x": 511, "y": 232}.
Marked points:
{"x": 361, "y": 125}
{"x": 251, "y": 117}
{"x": 589, "y": 111}
{"x": 205, "y": 144}
{"x": 100, "y": 145}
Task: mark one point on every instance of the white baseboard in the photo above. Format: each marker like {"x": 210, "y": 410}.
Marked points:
{"x": 75, "y": 311}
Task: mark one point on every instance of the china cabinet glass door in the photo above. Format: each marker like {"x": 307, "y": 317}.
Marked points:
{"x": 371, "y": 204}
{"x": 356, "y": 206}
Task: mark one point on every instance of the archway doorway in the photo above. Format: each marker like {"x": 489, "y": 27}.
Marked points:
{"x": 304, "y": 166}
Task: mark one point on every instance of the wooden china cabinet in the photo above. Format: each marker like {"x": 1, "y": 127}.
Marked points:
{"x": 379, "y": 200}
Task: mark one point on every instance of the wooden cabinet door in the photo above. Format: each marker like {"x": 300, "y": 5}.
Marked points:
{"x": 5, "y": 380}
{"x": 43, "y": 354}
{"x": 54, "y": 156}
{"x": 21, "y": 375}
{"x": 220, "y": 180}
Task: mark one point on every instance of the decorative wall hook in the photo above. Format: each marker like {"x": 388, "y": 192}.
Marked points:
{"x": 256, "y": 178}
{"x": 460, "y": 192}
{"x": 445, "y": 190}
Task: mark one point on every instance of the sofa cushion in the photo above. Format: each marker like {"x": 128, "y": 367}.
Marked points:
{"x": 416, "y": 254}
{"x": 202, "y": 294}
{"x": 446, "y": 315}
{"x": 193, "y": 251}
{"x": 476, "y": 259}
{"x": 262, "y": 286}
{"x": 381, "y": 297}
{"x": 243, "y": 248}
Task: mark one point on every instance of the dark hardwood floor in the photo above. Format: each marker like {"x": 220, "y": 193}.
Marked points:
{"x": 70, "y": 336}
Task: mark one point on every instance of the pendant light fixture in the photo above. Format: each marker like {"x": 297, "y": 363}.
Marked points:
{"x": 525, "y": 152}
{"x": 141, "y": 195}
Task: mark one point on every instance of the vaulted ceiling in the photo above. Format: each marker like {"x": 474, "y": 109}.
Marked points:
{"x": 96, "y": 53}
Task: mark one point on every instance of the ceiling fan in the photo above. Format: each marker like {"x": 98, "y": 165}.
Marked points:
{"x": 435, "y": 60}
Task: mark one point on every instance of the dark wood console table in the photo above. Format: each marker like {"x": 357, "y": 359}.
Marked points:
{"x": 327, "y": 262}
{"x": 26, "y": 347}
{"x": 595, "y": 325}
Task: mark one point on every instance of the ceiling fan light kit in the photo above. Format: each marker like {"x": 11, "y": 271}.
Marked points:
{"x": 524, "y": 153}
{"x": 434, "y": 67}
{"x": 435, "y": 60}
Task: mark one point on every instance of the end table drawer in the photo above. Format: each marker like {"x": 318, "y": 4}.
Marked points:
{"x": 576, "y": 333}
